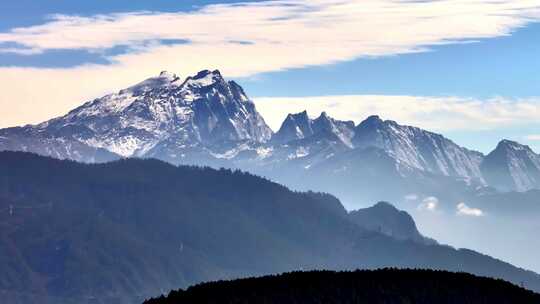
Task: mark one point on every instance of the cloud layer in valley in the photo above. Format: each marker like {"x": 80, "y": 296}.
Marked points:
{"x": 430, "y": 203}
{"x": 241, "y": 39}
{"x": 464, "y": 210}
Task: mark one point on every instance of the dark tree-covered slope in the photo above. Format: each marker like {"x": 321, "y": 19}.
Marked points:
{"x": 124, "y": 231}
{"x": 385, "y": 286}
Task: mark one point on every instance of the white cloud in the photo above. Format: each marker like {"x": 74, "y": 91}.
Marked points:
{"x": 430, "y": 203}
{"x": 411, "y": 197}
{"x": 533, "y": 137}
{"x": 280, "y": 35}
{"x": 432, "y": 113}
{"x": 335, "y": 28}
{"x": 463, "y": 209}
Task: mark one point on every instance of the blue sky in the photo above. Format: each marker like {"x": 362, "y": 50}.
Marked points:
{"x": 501, "y": 66}
{"x": 467, "y": 71}
{"x": 33, "y": 12}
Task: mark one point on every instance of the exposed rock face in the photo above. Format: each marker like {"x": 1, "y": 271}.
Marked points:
{"x": 419, "y": 149}
{"x": 512, "y": 167}
{"x": 299, "y": 126}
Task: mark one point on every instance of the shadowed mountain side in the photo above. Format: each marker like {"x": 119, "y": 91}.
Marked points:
{"x": 388, "y": 220}
{"x": 124, "y": 231}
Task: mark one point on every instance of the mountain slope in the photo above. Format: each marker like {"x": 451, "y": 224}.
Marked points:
{"x": 159, "y": 117}
{"x": 419, "y": 149}
{"x": 512, "y": 166}
{"x": 388, "y": 220}
{"x": 124, "y": 231}
{"x": 31, "y": 139}
{"x": 380, "y": 286}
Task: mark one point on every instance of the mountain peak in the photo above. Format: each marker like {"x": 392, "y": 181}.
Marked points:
{"x": 417, "y": 148}
{"x": 371, "y": 121}
{"x": 205, "y": 73}
{"x": 387, "y": 219}
{"x": 204, "y": 78}
{"x": 512, "y": 145}
{"x": 299, "y": 116}
{"x": 374, "y": 118}
{"x": 300, "y": 126}
{"x": 324, "y": 118}
{"x": 300, "y": 119}
{"x": 168, "y": 75}
{"x": 323, "y": 122}
{"x": 512, "y": 166}
{"x": 164, "y": 79}
{"x": 295, "y": 126}
{"x": 384, "y": 205}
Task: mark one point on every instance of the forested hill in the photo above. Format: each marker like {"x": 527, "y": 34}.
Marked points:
{"x": 125, "y": 231}
{"x": 385, "y": 286}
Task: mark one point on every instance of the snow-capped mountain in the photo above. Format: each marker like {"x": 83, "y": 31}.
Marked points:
{"x": 32, "y": 139}
{"x": 512, "y": 166}
{"x": 207, "y": 120}
{"x": 159, "y": 114}
{"x": 300, "y": 126}
{"x": 294, "y": 127}
{"x": 419, "y": 149}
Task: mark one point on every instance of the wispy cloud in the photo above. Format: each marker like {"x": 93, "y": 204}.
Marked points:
{"x": 358, "y": 27}
{"x": 463, "y": 209}
{"x": 411, "y": 197}
{"x": 533, "y": 137}
{"x": 275, "y": 35}
{"x": 432, "y": 113}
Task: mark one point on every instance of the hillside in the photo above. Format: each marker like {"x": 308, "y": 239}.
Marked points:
{"x": 388, "y": 286}
{"x": 388, "y": 220}
{"x": 124, "y": 231}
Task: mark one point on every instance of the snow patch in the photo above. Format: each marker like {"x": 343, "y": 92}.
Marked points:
{"x": 264, "y": 152}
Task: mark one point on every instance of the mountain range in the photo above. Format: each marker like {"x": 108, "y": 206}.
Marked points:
{"x": 131, "y": 229}
{"x": 207, "y": 120}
